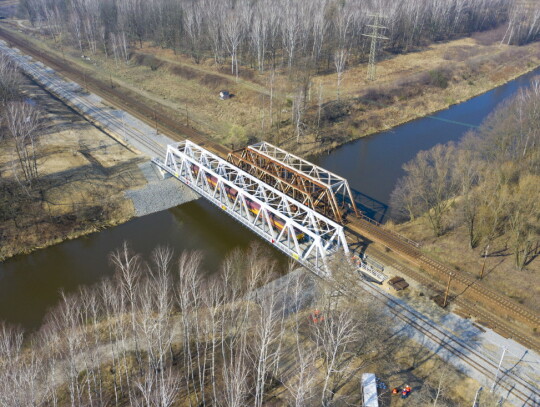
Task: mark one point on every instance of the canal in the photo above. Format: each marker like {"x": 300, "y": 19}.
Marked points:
{"x": 30, "y": 284}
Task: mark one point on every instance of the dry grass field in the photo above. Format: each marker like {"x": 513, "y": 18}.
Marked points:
{"x": 408, "y": 86}
{"x": 83, "y": 174}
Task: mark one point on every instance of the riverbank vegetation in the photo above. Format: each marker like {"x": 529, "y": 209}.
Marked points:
{"x": 59, "y": 176}
{"x": 298, "y": 77}
{"x": 483, "y": 190}
{"x": 160, "y": 333}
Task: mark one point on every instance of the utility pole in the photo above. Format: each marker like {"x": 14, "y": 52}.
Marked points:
{"x": 498, "y": 369}
{"x": 484, "y": 265}
{"x": 445, "y": 303}
{"x": 476, "y": 402}
{"x": 373, "y": 51}
{"x": 155, "y": 119}
{"x": 124, "y": 126}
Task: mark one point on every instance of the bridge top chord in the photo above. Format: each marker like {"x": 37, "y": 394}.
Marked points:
{"x": 294, "y": 162}
{"x": 329, "y": 192}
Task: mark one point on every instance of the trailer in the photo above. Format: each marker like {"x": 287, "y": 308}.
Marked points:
{"x": 367, "y": 271}
{"x": 369, "y": 387}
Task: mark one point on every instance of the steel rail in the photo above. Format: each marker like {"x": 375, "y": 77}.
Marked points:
{"x": 59, "y": 88}
{"x": 448, "y": 341}
{"x": 380, "y": 235}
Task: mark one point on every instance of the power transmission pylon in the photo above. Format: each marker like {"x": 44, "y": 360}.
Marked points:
{"x": 372, "y": 69}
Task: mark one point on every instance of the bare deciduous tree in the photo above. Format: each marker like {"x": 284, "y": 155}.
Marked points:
{"x": 23, "y": 121}
{"x": 429, "y": 179}
{"x": 340, "y": 59}
{"x": 490, "y": 178}
{"x": 296, "y": 30}
{"x": 9, "y": 80}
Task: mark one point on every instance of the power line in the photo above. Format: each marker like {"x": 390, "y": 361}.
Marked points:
{"x": 442, "y": 119}
{"x": 373, "y": 51}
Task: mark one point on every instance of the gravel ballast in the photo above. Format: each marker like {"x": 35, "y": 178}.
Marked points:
{"x": 159, "y": 194}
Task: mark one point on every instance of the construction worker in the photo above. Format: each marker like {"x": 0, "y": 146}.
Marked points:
{"x": 316, "y": 316}
{"x": 395, "y": 390}
{"x": 406, "y": 391}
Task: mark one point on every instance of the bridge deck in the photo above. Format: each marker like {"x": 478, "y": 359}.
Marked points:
{"x": 302, "y": 233}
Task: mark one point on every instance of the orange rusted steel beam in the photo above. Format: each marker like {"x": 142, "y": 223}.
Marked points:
{"x": 322, "y": 198}
{"x": 300, "y": 180}
{"x": 266, "y": 176}
{"x": 335, "y": 183}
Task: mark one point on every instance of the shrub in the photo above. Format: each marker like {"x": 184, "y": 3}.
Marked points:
{"x": 490, "y": 37}
{"x": 148, "y": 60}
{"x": 237, "y": 136}
{"x": 335, "y": 111}
{"x": 184, "y": 72}
{"x": 439, "y": 78}
{"x": 215, "y": 81}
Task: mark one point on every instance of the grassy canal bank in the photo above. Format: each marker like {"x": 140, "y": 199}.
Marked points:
{"x": 83, "y": 175}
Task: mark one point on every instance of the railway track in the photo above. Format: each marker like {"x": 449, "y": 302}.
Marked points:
{"x": 485, "y": 317}
{"x": 503, "y": 314}
{"x": 526, "y": 392}
{"x": 119, "y": 97}
{"x": 75, "y": 98}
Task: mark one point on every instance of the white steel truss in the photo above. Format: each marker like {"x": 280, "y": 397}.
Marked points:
{"x": 337, "y": 184}
{"x": 298, "y": 231}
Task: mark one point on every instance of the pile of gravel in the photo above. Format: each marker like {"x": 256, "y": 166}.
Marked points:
{"x": 159, "y": 194}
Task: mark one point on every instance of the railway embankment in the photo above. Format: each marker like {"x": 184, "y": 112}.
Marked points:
{"x": 510, "y": 319}
{"x": 158, "y": 194}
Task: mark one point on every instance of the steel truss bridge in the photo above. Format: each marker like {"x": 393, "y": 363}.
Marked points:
{"x": 321, "y": 190}
{"x": 290, "y": 225}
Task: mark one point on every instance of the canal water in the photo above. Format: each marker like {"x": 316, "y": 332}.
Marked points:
{"x": 30, "y": 284}
{"x": 373, "y": 164}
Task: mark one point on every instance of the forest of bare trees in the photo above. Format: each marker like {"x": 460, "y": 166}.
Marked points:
{"x": 262, "y": 34}
{"x": 160, "y": 333}
{"x": 489, "y": 183}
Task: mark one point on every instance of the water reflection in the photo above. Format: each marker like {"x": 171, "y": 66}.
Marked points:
{"x": 373, "y": 164}
{"x": 30, "y": 284}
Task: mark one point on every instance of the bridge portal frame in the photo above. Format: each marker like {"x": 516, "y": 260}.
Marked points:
{"x": 216, "y": 180}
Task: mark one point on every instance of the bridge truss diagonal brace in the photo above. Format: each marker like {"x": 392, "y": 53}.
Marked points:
{"x": 298, "y": 231}
{"x": 338, "y": 185}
